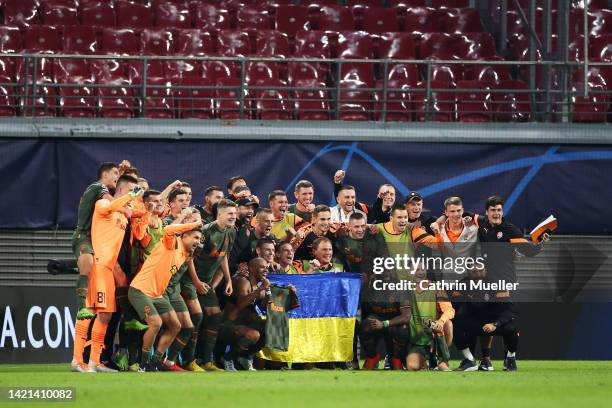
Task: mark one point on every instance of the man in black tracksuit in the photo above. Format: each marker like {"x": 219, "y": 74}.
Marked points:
{"x": 500, "y": 243}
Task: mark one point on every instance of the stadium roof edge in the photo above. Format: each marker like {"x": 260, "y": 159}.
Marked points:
{"x": 184, "y": 129}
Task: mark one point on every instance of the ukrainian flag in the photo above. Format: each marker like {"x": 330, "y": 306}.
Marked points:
{"x": 322, "y": 328}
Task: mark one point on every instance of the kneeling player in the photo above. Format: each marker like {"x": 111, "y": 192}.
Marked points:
{"x": 483, "y": 314}
{"x": 242, "y": 328}
{"x": 146, "y": 291}
{"x": 431, "y": 310}
{"x": 385, "y": 318}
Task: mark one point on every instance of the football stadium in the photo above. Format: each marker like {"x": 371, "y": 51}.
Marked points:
{"x": 308, "y": 203}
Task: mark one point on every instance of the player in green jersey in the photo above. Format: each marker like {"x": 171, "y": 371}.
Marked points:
{"x": 304, "y": 194}
{"x": 108, "y": 174}
{"x": 212, "y": 266}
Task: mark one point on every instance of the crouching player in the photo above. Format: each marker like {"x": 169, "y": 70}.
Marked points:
{"x": 431, "y": 310}
{"x": 386, "y": 317}
{"x": 146, "y": 293}
{"x": 242, "y": 330}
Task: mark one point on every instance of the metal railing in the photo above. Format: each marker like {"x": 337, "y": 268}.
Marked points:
{"x": 346, "y": 89}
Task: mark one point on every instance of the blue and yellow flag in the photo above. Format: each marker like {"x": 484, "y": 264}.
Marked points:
{"x": 322, "y": 328}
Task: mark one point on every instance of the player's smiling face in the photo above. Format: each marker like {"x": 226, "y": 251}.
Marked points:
{"x": 266, "y": 252}
{"x": 323, "y": 221}
{"x": 305, "y": 195}
{"x": 388, "y": 195}
{"x": 285, "y": 255}
{"x": 226, "y": 217}
{"x": 495, "y": 214}
{"x": 324, "y": 253}
{"x": 454, "y": 213}
{"x": 346, "y": 199}
{"x": 415, "y": 207}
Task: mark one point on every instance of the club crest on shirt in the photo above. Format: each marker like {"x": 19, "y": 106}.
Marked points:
{"x": 500, "y": 234}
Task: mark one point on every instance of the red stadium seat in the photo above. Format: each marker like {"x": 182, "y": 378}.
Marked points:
{"x": 59, "y": 14}
{"x": 271, "y": 43}
{"x": 194, "y": 42}
{"x": 193, "y": 102}
{"x": 80, "y": 40}
{"x": 601, "y": 47}
{"x": 336, "y": 18}
{"x": 593, "y": 108}
{"x": 106, "y": 69}
{"x": 488, "y": 73}
{"x": 437, "y": 45}
{"x": 115, "y": 98}
{"x": 155, "y": 69}
{"x": 462, "y": 20}
{"x": 99, "y": 13}
{"x": 422, "y": 20}
{"x": 393, "y": 45}
{"x": 261, "y": 70}
{"x": 405, "y": 74}
{"x": 217, "y": 70}
{"x": 512, "y": 106}
{"x": 155, "y": 42}
{"x": 22, "y": 14}
{"x": 254, "y": 18}
{"x": 76, "y": 97}
{"x": 474, "y": 103}
{"x": 183, "y": 69}
{"x": 379, "y": 20}
{"x": 172, "y": 15}
{"x": 42, "y": 39}
{"x": 398, "y": 105}
{"x": 209, "y": 16}
{"x": 158, "y": 102}
{"x": 474, "y": 46}
{"x": 272, "y": 102}
{"x": 290, "y": 18}
{"x": 41, "y": 68}
{"x": 133, "y": 15}
{"x": 304, "y": 71}
{"x": 8, "y": 104}
{"x": 228, "y": 100}
{"x": 234, "y": 43}
{"x": 313, "y": 44}
{"x": 354, "y": 45}
{"x": 71, "y": 68}
{"x": 441, "y": 106}
{"x": 450, "y": 3}
{"x": 355, "y": 102}
{"x": 40, "y": 100}
{"x": 311, "y": 103}
{"x": 10, "y": 40}
{"x": 121, "y": 41}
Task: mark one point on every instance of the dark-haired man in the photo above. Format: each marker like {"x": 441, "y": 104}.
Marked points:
{"x": 108, "y": 228}
{"x": 321, "y": 226}
{"x": 285, "y": 223}
{"x": 304, "y": 194}
{"x": 211, "y": 263}
{"x": 108, "y": 173}
{"x": 212, "y": 195}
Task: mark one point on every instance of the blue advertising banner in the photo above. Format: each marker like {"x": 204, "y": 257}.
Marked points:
{"x": 43, "y": 180}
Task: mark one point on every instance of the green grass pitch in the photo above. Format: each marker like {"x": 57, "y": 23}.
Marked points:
{"x": 538, "y": 384}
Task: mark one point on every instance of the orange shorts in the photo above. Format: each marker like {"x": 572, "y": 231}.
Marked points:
{"x": 101, "y": 291}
